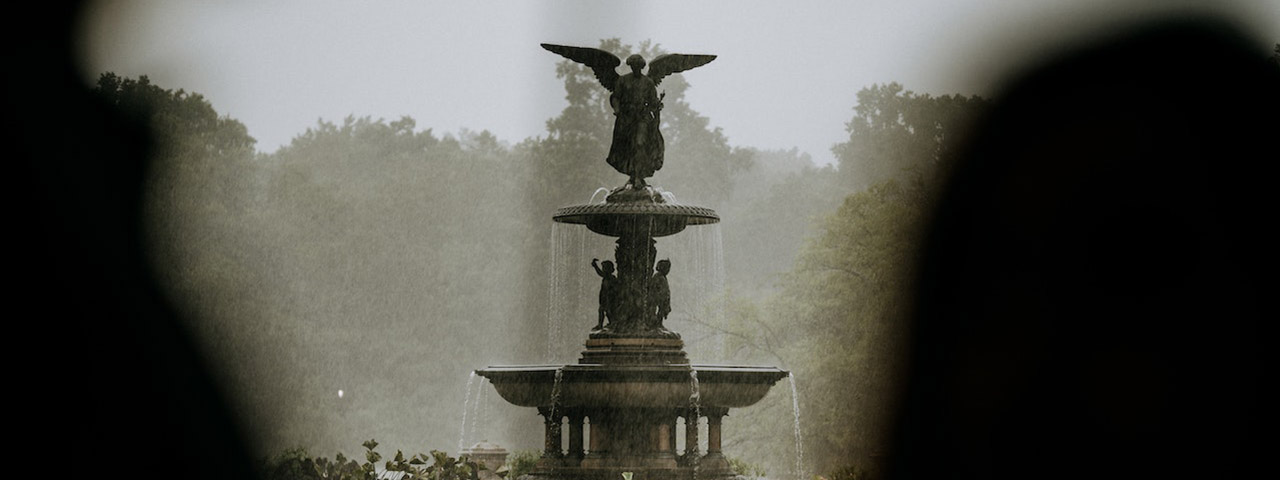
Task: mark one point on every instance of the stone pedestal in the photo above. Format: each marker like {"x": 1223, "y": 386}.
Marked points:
{"x": 490, "y": 457}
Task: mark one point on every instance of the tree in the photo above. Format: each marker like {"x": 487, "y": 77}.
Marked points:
{"x": 197, "y": 202}
{"x": 834, "y": 323}
{"x": 195, "y": 198}
{"x": 895, "y": 132}
{"x": 835, "y": 319}
{"x": 384, "y": 236}
{"x": 767, "y": 222}
{"x": 184, "y": 122}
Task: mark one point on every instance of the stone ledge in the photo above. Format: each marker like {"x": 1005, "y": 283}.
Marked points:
{"x": 593, "y": 343}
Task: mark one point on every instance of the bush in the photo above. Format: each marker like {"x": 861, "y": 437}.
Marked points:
{"x": 521, "y": 462}
{"x": 296, "y": 464}
{"x": 849, "y": 473}
{"x": 746, "y": 469}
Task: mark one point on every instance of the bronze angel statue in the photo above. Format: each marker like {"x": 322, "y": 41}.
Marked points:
{"x": 637, "y": 147}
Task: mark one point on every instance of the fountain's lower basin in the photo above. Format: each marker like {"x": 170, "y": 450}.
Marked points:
{"x": 649, "y": 386}
{"x": 632, "y": 412}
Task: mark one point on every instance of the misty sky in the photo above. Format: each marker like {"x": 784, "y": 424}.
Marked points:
{"x": 786, "y": 76}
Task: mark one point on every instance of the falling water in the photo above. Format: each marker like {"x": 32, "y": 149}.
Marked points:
{"x": 476, "y": 418}
{"x": 718, "y": 295}
{"x": 697, "y": 289}
{"x": 555, "y": 394}
{"x": 597, "y": 192}
{"x": 695, "y": 398}
{"x": 695, "y": 395}
{"x": 795, "y": 408}
{"x": 695, "y": 401}
{"x": 572, "y": 308}
{"x": 552, "y": 317}
{"x": 485, "y": 410}
{"x": 581, "y": 286}
{"x": 466, "y": 403}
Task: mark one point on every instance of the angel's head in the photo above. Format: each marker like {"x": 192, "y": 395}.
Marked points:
{"x": 636, "y": 62}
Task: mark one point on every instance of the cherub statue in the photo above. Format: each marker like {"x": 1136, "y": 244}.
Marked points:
{"x": 608, "y": 290}
{"x": 660, "y": 294}
{"x": 637, "y": 148}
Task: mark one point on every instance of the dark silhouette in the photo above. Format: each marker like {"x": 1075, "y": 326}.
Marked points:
{"x": 637, "y": 149}
{"x": 107, "y": 366}
{"x": 660, "y": 294}
{"x": 608, "y": 291}
{"x": 1090, "y": 294}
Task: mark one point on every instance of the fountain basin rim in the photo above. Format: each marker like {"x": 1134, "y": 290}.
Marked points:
{"x": 632, "y": 386}
{"x": 693, "y": 214}
{"x": 675, "y": 367}
{"x": 655, "y": 219}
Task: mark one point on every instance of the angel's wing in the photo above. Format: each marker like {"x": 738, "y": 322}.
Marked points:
{"x": 675, "y": 63}
{"x": 603, "y": 63}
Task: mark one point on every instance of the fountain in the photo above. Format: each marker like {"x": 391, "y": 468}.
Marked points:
{"x": 633, "y": 384}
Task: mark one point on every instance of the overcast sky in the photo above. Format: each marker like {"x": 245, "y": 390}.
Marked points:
{"x": 786, "y": 76}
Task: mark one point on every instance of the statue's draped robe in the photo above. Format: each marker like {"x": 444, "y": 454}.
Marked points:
{"x": 637, "y": 144}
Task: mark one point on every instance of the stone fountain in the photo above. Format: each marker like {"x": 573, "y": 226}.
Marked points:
{"x": 633, "y": 384}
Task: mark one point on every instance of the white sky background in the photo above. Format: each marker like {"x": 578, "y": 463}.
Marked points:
{"x": 786, "y": 76}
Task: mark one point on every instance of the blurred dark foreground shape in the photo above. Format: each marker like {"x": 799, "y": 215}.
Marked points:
{"x": 1092, "y": 286}
{"x": 106, "y": 381}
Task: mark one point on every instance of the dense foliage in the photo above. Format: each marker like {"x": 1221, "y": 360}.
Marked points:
{"x": 898, "y": 134}
{"x": 296, "y": 464}
{"x": 836, "y": 317}
{"x": 521, "y": 462}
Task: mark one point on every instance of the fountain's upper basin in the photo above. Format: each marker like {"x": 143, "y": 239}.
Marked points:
{"x": 655, "y": 219}
{"x": 654, "y": 386}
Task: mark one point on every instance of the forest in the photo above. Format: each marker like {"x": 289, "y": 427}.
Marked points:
{"x": 388, "y": 262}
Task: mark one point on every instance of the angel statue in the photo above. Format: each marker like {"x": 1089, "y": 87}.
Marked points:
{"x": 637, "y": 147}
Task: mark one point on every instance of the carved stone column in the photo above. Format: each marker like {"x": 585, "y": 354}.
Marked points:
{"x": 690, "y": 438}
{"x": 575, "y": 439}
{"x": 713, "y": 433}
{"x": 664, "y": 438}
{"x": 714, "y": 460}
{"x": 551, "y": 456}
{"x": 660, "y": 452}
{"x": 596, "y": 457}
{"x": 672, "y": 424}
